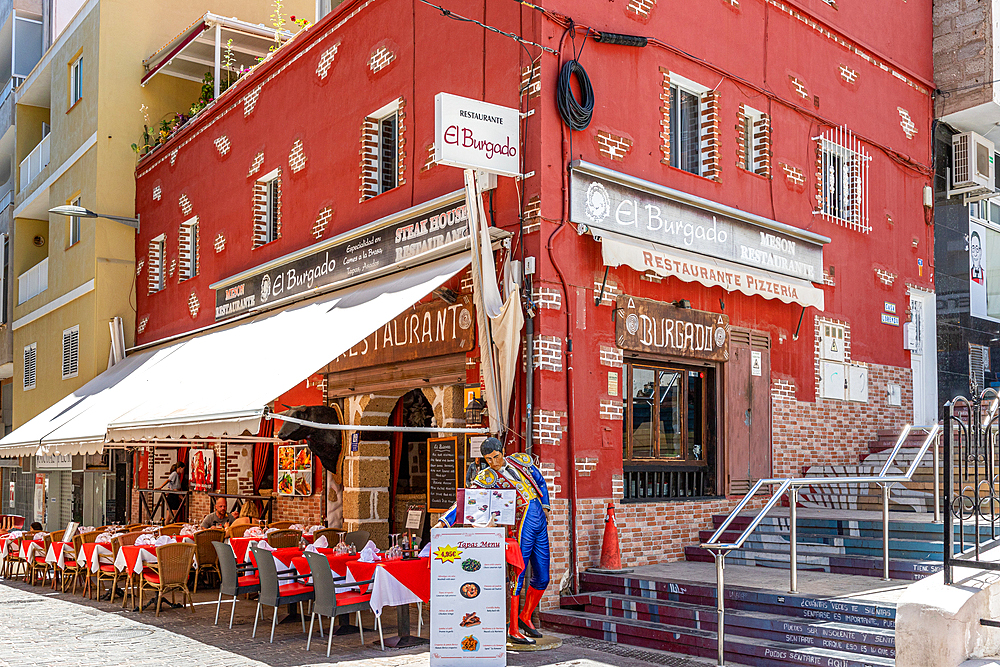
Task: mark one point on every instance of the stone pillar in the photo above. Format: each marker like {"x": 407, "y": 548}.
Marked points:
{"x": 366, "y": 490}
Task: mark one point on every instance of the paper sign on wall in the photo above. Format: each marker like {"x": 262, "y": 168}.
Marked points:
{"x": 756, "y": 362}
{"x": 11, "y": 496}
{"x": 468, "y": 600}
{"x": 40, "y": 498}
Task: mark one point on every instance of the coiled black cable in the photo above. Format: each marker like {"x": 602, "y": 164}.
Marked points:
{"x": 575, "y": 114}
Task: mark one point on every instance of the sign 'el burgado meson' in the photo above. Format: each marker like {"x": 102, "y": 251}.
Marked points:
{"x": 643, "y": 325}
{"x": 376, "y": 250}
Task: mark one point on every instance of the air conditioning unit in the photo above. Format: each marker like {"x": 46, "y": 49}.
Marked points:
{"x": 972, "y": 163}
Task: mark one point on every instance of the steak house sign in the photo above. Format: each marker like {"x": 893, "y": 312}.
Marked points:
{"x": 378, "y": 249}
{"x": 643, "y": 325}
{"x": 603, "y": 204}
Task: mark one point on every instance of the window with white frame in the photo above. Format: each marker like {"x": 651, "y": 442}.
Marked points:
{"x": 156, "y": 251}
{"x": 71, "y": 352}
{"x": 380, "y": 140}
{"x": 30, "y": 352}
{"x": 685, "y": 128}
{"x": 267, "y": 208}
{"x": 74, "y": 225}
{"x": 843, "y": 170}
{"x": 188, "y": 249}
{"x": 75, "y": 81}
{"x": 754, "y": 138}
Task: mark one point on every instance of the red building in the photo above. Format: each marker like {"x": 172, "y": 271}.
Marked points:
{"x": 721, "y": 264}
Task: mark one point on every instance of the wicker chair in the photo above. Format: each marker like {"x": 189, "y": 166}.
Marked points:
{"x": 359, "y": 538}
{"x": 171, "y": 529}
{"x": 107, "y": 571}
{"x": 73, "y": 568}
{"x": 284, "y": 538}
{"x": 239, "y": 531}
{"x": 332, "y": 535}
{"x": 280, "y": 525}
{"x": 208, "y": 560}
{"x": 234, "y": 582}
{"x": 37, "y": 565}
{"x": 170, "y": 574}
{"x": 13, "y": 562}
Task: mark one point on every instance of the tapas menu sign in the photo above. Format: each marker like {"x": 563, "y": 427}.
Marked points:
{"x": 468, "y": 600}
{"x": 380, "y": 248}
{"x": 643, "y": 325}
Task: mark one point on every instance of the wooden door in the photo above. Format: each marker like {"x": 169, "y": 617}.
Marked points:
{"x": 748, "y": 411}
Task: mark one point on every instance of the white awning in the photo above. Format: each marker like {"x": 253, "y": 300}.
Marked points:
{"x": 645, "y": 256}
{"x": 217, "y": 384}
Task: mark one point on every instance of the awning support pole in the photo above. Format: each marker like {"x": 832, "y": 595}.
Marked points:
{"x": 382, "y": 429}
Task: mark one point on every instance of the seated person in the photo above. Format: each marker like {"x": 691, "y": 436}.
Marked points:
{"x": 35, "y": 526}
{"x": 220, "y": 517}
{"x": 248, "y": 515}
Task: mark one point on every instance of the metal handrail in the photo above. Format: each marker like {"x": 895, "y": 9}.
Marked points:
{"x": 791, "y": 486}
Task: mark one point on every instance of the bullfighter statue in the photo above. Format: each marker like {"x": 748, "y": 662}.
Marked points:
{"x": 517, "y": 472}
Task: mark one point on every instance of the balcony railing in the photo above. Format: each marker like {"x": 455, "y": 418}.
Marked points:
{"x": 33, "y": 282}
{"x": 37, "y": 160}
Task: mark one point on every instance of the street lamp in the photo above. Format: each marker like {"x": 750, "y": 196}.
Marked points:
{"x": 74, "y": 211}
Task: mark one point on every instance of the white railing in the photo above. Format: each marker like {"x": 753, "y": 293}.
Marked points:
{"x": 37, "y": 160}
{"x": 33, "y": 282}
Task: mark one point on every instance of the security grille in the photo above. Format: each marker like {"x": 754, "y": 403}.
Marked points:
{"x": 979, "y": 356}
{"x": 387, "y": 153}
{"x": 844, "y": 179}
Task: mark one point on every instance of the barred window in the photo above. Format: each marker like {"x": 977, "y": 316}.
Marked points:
{"x": 843, "y": 169}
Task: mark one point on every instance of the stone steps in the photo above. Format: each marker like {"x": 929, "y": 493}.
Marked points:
{"x": 763, "y": 627}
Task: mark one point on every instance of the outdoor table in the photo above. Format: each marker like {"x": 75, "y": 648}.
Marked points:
{"x": 132, "y": 558}
{"x": 59, "y": 552}
{"x": 241, "y": 546}
{"x": 29, "y": 547}
{"x": 338, "y": 562}
{"x": 91, "y": 557}
{"x": 7, "y": 542}
{"x": 397, "y": 583}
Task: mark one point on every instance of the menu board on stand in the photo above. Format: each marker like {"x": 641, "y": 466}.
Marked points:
{"x": 442, "y": 473}
{"x": 468, "y": 597}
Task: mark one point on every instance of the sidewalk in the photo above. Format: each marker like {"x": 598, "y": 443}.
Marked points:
{"x": 39, "y": 627}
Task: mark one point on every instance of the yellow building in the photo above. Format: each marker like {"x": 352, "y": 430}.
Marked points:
{"x": 77, "y": 115}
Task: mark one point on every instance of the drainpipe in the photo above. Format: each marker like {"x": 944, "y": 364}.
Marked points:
{"x": 570, "y": 388}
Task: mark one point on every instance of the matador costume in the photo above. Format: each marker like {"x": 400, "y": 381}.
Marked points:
{"x": 530, "y": 527}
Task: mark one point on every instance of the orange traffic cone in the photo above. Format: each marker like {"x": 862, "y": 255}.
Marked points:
{"x": 611, "y": 557}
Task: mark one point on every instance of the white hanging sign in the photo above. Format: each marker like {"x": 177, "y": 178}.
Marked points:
{"x": 477, "y": 135}
{"x": 468, "y": 600}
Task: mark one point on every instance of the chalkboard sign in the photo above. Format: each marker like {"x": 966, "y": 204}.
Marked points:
{"x": 442, "y": 471}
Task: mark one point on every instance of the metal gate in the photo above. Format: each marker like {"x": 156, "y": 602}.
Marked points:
{"x": 972, "y": 479}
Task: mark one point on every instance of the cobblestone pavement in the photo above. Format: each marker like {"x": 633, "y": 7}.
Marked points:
{"x": 43, "y": 628}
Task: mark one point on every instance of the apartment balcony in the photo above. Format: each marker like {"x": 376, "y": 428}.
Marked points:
{"x": 37, "y": 160}
{"x": 33, "y": 282}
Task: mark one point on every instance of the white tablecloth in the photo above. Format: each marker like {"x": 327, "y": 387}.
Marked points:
{"x": 65, "y": 553}
{"x": 386, "y": 590}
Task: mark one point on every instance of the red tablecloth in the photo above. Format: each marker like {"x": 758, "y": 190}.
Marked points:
{"x": 58, "y": 552}
{"x": 283, "y": 555}
{"x": 129, "y": 554}
{"x": 92, "y": 553}
{"x": 338, "y": 562}
{"x": 28, "y": 549}
{"x": 241, "y": 547}
{"x": 397, "y": 582}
